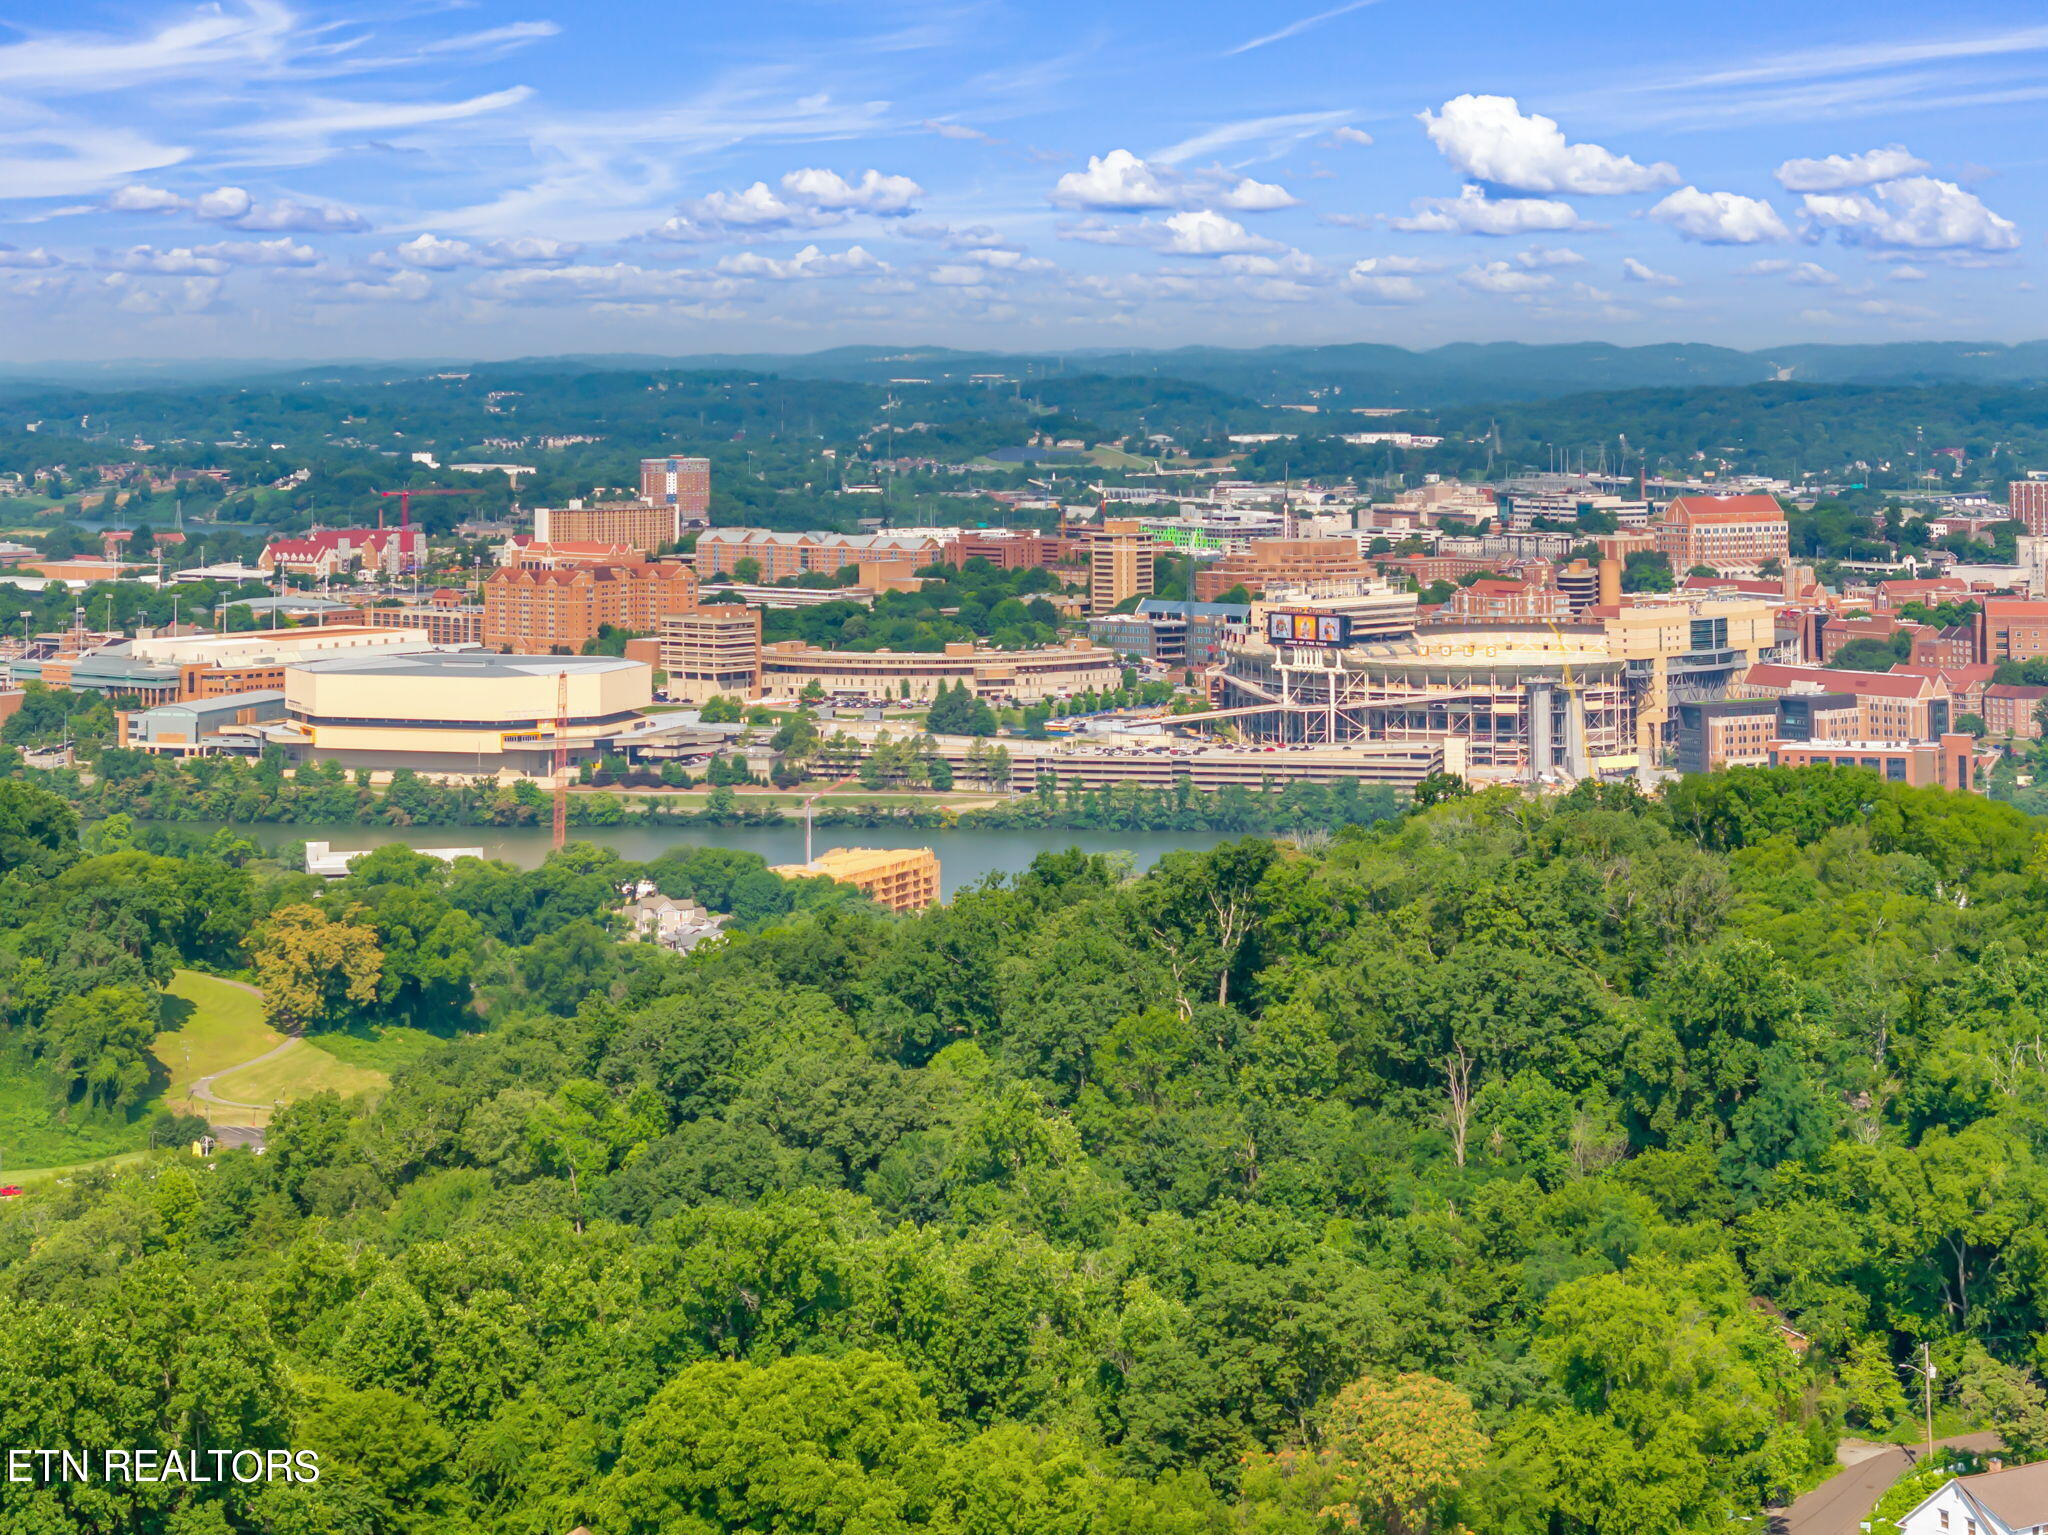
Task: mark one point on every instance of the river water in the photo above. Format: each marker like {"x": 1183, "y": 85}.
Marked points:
{"x": 965, "y": 855}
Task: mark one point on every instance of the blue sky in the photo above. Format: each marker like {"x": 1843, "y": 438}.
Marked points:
{"x": 264, "y": 178}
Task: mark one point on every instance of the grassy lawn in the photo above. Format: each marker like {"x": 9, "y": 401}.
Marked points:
{"x": 382, "y": 1050}
{"x": 29, "y": 1177}
{"x": 209, "y": 1025}
{"x": 298, "y": 1071}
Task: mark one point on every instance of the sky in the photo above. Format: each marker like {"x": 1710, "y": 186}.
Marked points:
{"x": 478, "y": 178}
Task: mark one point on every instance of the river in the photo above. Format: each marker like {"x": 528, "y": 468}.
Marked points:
{"x": 965, "y": 854}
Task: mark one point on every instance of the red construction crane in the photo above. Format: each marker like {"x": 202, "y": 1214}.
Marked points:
{"x": 561, "y": 758}
{"x": 405, "y": 502}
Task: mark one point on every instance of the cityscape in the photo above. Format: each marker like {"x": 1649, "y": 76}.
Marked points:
{"x": 963, "y": 771}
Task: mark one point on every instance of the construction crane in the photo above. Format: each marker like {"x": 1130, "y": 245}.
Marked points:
{"x": 561, "y": 759}
{"x": 405, "y": 502}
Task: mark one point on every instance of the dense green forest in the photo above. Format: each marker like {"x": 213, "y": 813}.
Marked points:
{"x": 1467, "y": 1170}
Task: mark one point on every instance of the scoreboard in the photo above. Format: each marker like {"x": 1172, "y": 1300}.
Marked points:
{"x": 1284, "y": 628}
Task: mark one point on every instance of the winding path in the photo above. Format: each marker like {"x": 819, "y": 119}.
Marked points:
{"x": 201, "y": 1088}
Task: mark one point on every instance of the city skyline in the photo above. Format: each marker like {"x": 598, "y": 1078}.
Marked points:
{"x": 259, "y": 179}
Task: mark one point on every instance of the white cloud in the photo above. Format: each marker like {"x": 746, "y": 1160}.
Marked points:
{"x": 1916, "y": 213}
{"x": 617, "y": 282}
{"x": 1811, "y": 274}
{"x": 1121, "y": 182}
{"x": 1370, "y": 282}
{"x": 1637, "y": 271}
{"x": 810, "y": 262}
{"x": 1118, "y": 182}
{"x": 1003, "y": 259}
{"x": 1293, "y": 265}
{"x": 432, "y": 253}
{"x": 809, "y": 199}
{"x": 281, "y": 252}
{"x": 877, "y": 194}
{"x": 1249, "y": 196}
{"x": 1201, "y": 232}
{"x": 1500, "y": 277}
{"x": 1350, "y": 135}
{"x": 959, "y": 276}
{"x": 1835, "y": 172}
{"x": 234, "y": 206}
{"x": 1296, "y": 28}
{"x": 1472, "y": 212}
{"x": 1907, "y": 274}
{"x": 1490, "y": 139}
{"x": 399, "y": 287}
{"x": 1720, "y": 218}
{"x": 179, "y": 261}
{"x": 1769, "y": 267}
{"x": 1394, "y": 266}
{"x": 1537, "y": 257}
{"x": 17, "y": 259}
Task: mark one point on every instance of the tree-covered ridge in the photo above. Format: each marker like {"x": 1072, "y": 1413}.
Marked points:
{"x": 1464, "y": 1170}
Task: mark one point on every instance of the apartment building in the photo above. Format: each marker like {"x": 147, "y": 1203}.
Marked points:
{"x": 1723, "y": 533}
{"x": 680, "y": 484}
{"x": 537, "y": 611}
{"x": 1268, "y": 562}
{"x": 635, "y": 524}
{"x": 900, "y": 878}
{"x": 781, "y": 556}
{"x": 2012, "y": 628}
{"x": 1008, "y": 550}
{"x": 2028, "y": 502}
{"x": 2011, "y": 710}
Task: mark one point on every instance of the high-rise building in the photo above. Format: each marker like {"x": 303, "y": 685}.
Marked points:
{"x": 683, "y": 484}
{"x": 635, "y": 524}
{"x": 1120, "y": 556}
{"x": 2028, "y": 501}
{"x": 536, "y": 611}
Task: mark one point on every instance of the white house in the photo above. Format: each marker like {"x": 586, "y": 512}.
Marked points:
{"x": 2012, "y": 1501}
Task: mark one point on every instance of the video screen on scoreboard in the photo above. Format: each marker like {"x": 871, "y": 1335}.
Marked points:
{"x": 1308, "y": 628}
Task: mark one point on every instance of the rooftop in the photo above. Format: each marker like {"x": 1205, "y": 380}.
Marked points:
{"x": 2018, "y": 1495}
{"x": 470, "y": 663}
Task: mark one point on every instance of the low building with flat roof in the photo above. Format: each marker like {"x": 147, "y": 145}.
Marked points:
{"x": 201, "y": 727}
{"x": 462, "y": 712}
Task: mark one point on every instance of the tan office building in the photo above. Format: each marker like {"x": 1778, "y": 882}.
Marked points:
{"x": 1120, "y": 558}
{"x": 712, "y": 652}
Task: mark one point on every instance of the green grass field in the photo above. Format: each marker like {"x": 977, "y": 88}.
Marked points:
{"x": 300, "y": 1070}
{"x": 32, "y": 1136}
{"x": 209, "y": 1025}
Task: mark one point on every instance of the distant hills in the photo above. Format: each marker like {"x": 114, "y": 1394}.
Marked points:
{"x": 1359, "y": 374}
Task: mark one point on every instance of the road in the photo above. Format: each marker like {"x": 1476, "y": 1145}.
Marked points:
{"x": 1841, "y": 1504}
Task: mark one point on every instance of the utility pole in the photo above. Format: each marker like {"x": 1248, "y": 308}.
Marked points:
{"x": 1925, "y": 1370}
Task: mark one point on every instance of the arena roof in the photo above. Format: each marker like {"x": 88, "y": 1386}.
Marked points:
{"x": 469, "y": 665}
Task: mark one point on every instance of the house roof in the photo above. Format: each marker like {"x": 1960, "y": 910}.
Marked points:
{"x": 2018, "y": 1495}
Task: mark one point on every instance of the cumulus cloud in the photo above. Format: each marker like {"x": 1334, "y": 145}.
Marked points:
{"x": 1537, "y": 257}
{"x": 20, "y": 260}
{"x": 1121, "y": 182}
{"x": 1914, "y": 213}
{"x": 1472, "y": 212}
{"x": 616, "y": 282}
{"x": 1492, "y": 140}
{"x": 1835, "y": 172}
{"x": 1721, "y": 218}
{"x": 1394, "y": 266}
{"x": 1502, "y": 277}
{"x": 432, "y": 253}
{"x": 807, "y": 199}
{"x": 1352, "y": 136}
{"x": 806, "y": 264}
{"x": 1196, "y": 232}
{"x": 1811, "y": 274}
{"x": 235, "y": 206}
{"x": 1638, "y": 271}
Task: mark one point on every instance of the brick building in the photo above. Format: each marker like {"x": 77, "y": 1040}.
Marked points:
{"x": 1890, "y": 706}
{"x": 329, "y": 552}
{"x": 1271, "y": 562}
{"x": 1724, "y": 533}
{"x": 2012, "y": 628}
{"x": 1008, "y": 550}
{"x": 1948, "y": 763}
{"x": 680, "y": 484}
{"x": 1492, "y": 601}
{"x": 2012, "y": 710}
{"x": 530, "y": 611}
{"x": 444, "y": 617}
{"x": 783, "y": 555}
{"x": 2028, "y": 501}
